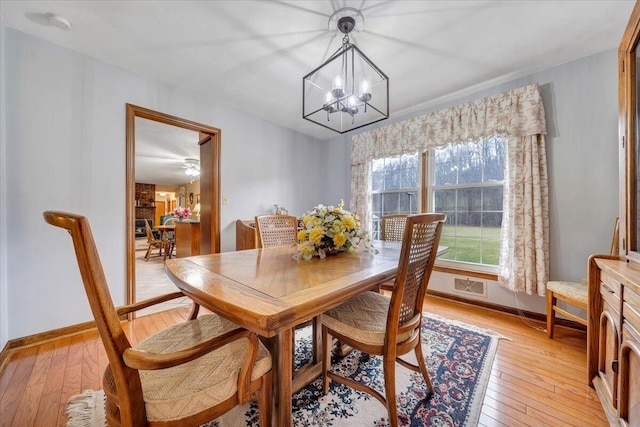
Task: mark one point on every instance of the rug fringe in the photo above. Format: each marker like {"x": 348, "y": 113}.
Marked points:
{"x": 81, "y": 409}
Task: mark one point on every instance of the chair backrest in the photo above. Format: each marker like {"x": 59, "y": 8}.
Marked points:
{"x": 615, "y": 241}
{"x": 393, "y": 227}
{"x": 170, "y": 220}
{"x": 418, "y": 253}
{"x": 151, "y": 238}
{"x": 104, "y": 312}
{"x": 276, "y": 230}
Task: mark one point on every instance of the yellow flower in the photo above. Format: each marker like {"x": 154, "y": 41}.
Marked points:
{"x": 315, "y": 235}
{"x": 302, "y": 235}
{"x": 307, "y": 249}
{"x": 339, "y": 239}
{"x": 306, "y": 219}
{"x": 349, "y": 222}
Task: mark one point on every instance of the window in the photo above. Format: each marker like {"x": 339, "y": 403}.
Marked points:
{"x": 464, "y": 181}
{"x": 395, "y": 187}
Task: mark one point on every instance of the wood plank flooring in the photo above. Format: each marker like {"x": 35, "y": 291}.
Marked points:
{"x": 535, "y": 381}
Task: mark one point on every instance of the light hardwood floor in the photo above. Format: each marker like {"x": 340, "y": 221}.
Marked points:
{"x": 151, "y": 281}
{"x": 535, "y": 381}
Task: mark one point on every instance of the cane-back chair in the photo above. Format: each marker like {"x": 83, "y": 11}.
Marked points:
{"x": 389, "y": 326}
{"x": 392, "y": 227}
{"x": 276, "y": 230}
{"x": 185, "y": 375}
{"x": 392, "y": 230}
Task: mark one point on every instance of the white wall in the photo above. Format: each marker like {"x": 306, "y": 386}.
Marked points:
{"x": 581, "y": 108}
{"x": 64, "y": 139}
{"x": 4, "y": 328}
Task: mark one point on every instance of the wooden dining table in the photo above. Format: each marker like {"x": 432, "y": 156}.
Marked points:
{"x": 165, "y": 229}
{"x": 269, "y": 292}
{"x": 164, "y": 236}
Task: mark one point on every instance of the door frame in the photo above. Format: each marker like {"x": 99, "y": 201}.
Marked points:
{"x": 210, "y": 146}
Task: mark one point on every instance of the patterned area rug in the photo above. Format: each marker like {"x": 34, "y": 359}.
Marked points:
{"x": 459, "y": 359}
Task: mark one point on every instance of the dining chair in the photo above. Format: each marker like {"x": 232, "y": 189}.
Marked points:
{"x": 171, "y": 235}
{"x": 377, "y": 324}
{"x": 573, "y": 293}
{"x": 185, "y": 375}
{"x": 154, "y": 242}
{"x": 392, "y": 229}
{"x": 276, "y": 230}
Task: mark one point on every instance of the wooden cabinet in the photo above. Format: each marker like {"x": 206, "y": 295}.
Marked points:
{"x": 246, "y": 235}
{"x": 613, "y": 338}
{"x": 187, "y": 239}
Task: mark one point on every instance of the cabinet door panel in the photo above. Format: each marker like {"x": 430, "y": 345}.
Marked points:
{"x": 629, "y": 390}
{"x": 608, "y": 356}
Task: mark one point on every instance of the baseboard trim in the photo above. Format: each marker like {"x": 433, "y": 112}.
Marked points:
{"x": 505, "y": 309}
{"x": 17, "y": 343}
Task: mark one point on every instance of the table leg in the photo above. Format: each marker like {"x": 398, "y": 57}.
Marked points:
{"x": 282, "y": 381}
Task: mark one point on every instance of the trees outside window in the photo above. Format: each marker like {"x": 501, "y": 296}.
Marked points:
{"x": 467, "y": 185}
{"x": 395, "y": 186}
{"x": 465, "y": 181}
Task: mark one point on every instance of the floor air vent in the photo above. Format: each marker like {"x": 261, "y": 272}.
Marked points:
{"x": 468, "y": 286}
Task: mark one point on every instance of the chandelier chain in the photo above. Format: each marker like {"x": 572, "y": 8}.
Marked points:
{"x": 345, "y": 41}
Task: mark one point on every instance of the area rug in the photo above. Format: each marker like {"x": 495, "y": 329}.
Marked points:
{"x": 459, "y": 359}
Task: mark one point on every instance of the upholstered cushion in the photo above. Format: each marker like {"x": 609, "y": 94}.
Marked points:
{"x": 191, "y": 387}
{"x": 576, "y": 291}
{"x": 363, "y": 317}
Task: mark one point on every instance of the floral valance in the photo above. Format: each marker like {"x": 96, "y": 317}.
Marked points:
{"x": 516, "y": 113}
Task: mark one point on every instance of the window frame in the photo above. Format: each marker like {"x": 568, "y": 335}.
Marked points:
{"x": 418, "y": 190}
{"x": 485, "y": 271}
{"x": 426, "y": 163}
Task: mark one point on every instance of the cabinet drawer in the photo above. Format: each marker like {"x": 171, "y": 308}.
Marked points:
{"x": 610, "y": 296}
{"x": 631, "y": 315}
{"x": 629, "y": 333}
{"x": 632, "y": 298}
{"x": 612, "y": 283}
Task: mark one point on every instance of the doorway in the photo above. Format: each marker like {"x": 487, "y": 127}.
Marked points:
{"x": 209, "y": 147}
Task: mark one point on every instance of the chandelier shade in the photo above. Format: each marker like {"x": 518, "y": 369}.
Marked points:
{"x": 348, "y": 90}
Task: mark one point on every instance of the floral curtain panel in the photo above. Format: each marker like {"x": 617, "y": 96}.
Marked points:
{"x": 517, "y": 115}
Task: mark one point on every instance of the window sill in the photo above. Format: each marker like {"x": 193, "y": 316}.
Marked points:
{"x": 465, "y": 269}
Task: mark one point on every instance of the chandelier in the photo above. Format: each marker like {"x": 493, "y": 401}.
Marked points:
{"x": 192, "y": 168}
{"x": 348, "y": 90}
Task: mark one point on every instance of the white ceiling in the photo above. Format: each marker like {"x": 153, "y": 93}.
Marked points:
{"x": 252, "y": 55}
{"x": 161, "y": 151}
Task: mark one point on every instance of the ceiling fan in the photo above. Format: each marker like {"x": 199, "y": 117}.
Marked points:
{"x": 192, "y": 168}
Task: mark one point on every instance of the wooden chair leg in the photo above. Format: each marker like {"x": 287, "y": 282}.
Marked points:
{"x": 423, "y": 367}
{"x": 317, "y": 340}
{"x": 146, "y": 256}
{"x": 326, "y": 360}
{"x": 264, "y": 402}
{"x": 389, "y": 366}
{"x": 551, "y": 313}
